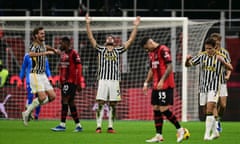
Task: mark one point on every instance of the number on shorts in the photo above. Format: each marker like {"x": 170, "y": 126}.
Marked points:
{"x": 162, "y": 95}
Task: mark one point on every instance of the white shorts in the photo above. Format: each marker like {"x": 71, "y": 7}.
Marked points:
{"x": 223, "y": 90}
{"x": 210, "y": 96}
{"x": 108, "y": 90}
{"x": 39, "y": 83}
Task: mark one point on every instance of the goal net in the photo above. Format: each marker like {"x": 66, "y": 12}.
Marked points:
{"x": 179, "y": 34}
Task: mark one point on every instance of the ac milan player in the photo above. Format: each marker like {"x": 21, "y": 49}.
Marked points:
{"x": 161, "y": 74}
{"x": 70, "y": 79}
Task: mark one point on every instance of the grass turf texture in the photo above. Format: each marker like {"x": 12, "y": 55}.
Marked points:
{"x": 128, "y": 132}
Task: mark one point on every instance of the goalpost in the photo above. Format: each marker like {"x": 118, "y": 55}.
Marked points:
{"x": 180, "y": 34}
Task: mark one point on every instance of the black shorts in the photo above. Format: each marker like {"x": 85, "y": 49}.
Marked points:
{"x": 68, "y": 89}
{"x": 162, "y": 97}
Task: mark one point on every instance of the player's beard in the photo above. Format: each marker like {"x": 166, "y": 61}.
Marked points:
{"x": 109, "y": 44}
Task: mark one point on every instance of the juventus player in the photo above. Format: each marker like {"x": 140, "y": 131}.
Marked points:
{"x": 109, "y": 73}
{"x": 39, "y": 82}
{"x": 211, "y": 63}
{"x": 225, "y": 77}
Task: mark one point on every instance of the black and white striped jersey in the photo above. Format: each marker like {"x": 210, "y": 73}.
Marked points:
{"x": 227, "y": 58}
{"x": 109, "y": 63}
{"x": 38, "y": 62}
{"x": 210, "y": 71}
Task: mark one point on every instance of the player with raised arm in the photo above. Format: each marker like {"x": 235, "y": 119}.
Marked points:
{"x": 161, "y": 74}
{"x": 109, "y": 73}
{"x": 39, "y": 82}
{"x": 211, "y": 63}
{"x": 221, "y": 106}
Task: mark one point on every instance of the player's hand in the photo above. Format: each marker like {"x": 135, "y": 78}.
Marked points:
{"x": 57, "y": 51}
{"x": 137, "y": 21}
{"x": 160, "y": 85}
{"x": 87, "y": 18}
{"x": 145, "y": 89}
{"x": 189, "y": 57}
{"x": 227, "y": 77}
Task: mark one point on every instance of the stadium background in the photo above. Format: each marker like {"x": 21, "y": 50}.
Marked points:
{"x": 192, "y": 9}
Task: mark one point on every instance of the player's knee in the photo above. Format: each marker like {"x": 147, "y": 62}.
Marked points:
{"x": 113, "y": 104}
{"x": 71, "y": 103}
{"x": 64, "y": 101}
{"x": 155, "y": 107}
{"x": 100, "y": 102}
{"x": 223, "y": 105}
{"x": 52, "y": 97}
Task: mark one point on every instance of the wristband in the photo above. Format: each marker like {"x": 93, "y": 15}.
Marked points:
{"x": 145, "y": 84}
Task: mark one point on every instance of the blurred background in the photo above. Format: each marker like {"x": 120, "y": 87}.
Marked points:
{"x": 150, "y": 8}
{"x": 226, "y": 12}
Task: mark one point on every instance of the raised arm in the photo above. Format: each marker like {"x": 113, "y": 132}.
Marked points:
{"x": 89, "y": 32}
{"x": 133, "y": 33}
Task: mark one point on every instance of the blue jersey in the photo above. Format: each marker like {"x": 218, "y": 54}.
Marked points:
{"x": 27, "y": 66}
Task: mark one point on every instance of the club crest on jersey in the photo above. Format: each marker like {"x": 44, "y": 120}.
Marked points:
{"x": 110, "y": 57}
{"x": 166, "y": 55}
{"x": 64, "y": 57}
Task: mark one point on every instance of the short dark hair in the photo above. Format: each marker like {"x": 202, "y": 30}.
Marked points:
{"x": 144, "y": 41}
{"x": 66, "y": 39}
{"x": 36, "y": 30}
{"x": 110, "y": 35}
{"x": 210, "y": 41}
{"x": 217, "y": 36}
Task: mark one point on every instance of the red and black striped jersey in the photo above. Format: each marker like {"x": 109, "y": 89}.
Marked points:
{"x": 159, "y": 58}
{"x": 70, "y": 69}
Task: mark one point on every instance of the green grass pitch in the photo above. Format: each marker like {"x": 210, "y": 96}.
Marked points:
{"x": 128, "y": 132}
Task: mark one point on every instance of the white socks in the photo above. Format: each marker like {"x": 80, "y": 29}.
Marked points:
{"x": 33, "y": 105}
{"x": 62, "y": 124}
{"x": 99, "y": 119}
{"x": 78, "y": 125}
{"x": 110, "y": 119}
{"x": 36, "y": 103}
{"x": 209, "y": 125}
